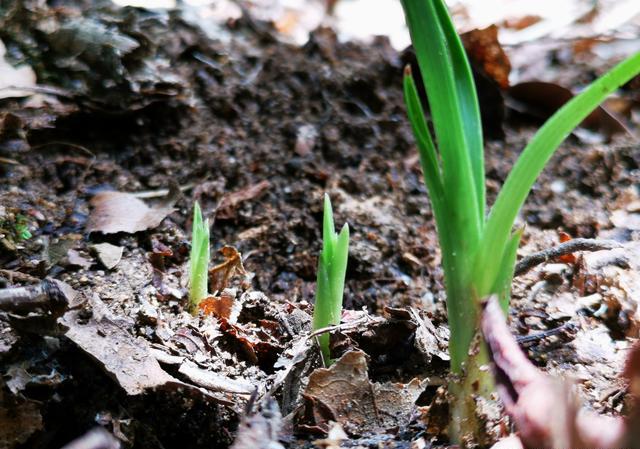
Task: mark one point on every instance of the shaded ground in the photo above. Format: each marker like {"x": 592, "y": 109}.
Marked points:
{"x": 257, "y": 131}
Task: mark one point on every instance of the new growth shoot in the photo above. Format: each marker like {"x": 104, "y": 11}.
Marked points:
{"x": 478, "y": 251}
{"x": 199, "y": 259}
{"x": 332, "y": 267}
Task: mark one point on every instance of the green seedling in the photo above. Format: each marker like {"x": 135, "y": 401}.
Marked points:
{"x": 478, "y": 251}
{"x": 22, "y": 228}
{"x": 332, "y": 267}
{"x": 199, "y": 259}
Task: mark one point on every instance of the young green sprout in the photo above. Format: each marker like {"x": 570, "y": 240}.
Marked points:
{"x": 478, "y": 251}
{"x": 22, "y": 228}
{"x": 199, "y": 259}
{"x": 332, "y": 267}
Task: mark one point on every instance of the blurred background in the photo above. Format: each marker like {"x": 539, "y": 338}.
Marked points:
{"x": 519, "y": 20}
{"x": 608, "y": 27}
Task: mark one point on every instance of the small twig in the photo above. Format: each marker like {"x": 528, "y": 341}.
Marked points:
{"x": 349, "y": 325}
{"x": 569, "y": 247}
{"x": 160, "y": 192}
{"x": 75, "y": 146}
{"x": 48, "y": 90}
{"x": 529, "y": 339}
{"x": 6, "y": 160}
{"x": 97, "y": 438}
{"x": 12, "y": 275}
{"x": 47, "y": 295}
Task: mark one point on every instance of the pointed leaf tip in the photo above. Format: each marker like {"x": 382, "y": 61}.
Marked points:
{"x": 407, "y": 70}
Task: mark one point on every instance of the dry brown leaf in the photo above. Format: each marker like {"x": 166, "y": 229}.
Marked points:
{"x": 483, "y": 48}
{"x": 224, "y": 306}
{"x": 542, "y": 99}
{"x": 344, "y": 393}
{"x": 220, "y": 275}
{"x": 127, "y": 360}
{"x": 566, "y": 258}
{"x": 256, "y": 344}
{"x": 521, "y": 23}
{"x": 122, "y": 212}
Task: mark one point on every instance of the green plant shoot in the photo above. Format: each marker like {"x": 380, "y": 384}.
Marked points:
{"x": 199, "y": 259}
{"x": 332, "y": 268}
{"x": 22, "y": 228}
{"x": 478, "y": 251}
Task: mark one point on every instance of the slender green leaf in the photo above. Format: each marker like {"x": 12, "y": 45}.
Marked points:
{"x": 323, "y": 309}
{"x": 437, "y": 69}
{"x": 502, "y": 285}
{"x": 533, "y": 159}
{"x": 338, "y": 272}
{"x": 467, "y": 102}
{"x": 328, "y": 229}
{"x": 458, "y": 210}
{"x": 428, "y": 155}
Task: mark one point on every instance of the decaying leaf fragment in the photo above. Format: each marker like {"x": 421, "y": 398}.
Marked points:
{"x": 343, "y": 393}
{"x": 257, "y": 344}
{"x": 122, "y": 212}
{"x": 485, "y": 50}
{"x": 541, "y": 99}
{"x": 224, "y": 306}
{"x": 220, "y": 275}
{"x": 127, "y": 360}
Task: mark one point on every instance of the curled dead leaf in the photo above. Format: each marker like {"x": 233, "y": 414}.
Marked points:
{"x": 483, "y": 48}
{"x": 224, "y": 306}
{"x": 541, "y": 99}
{"x": 220, "y": 275}
{"x": 256, "y": 344}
